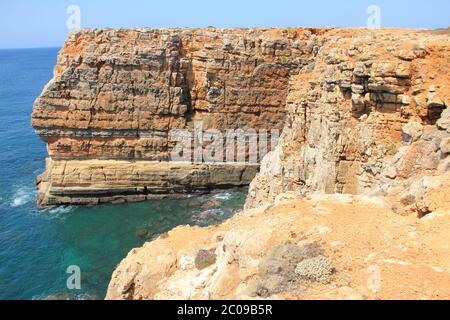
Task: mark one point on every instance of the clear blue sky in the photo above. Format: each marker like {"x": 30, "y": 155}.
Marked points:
{"x": 28, "y": 23}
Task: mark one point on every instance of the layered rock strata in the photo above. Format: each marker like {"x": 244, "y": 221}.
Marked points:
{"x": 119, "y": 94}
{"x": 334, "y": 211}
{"x": 91, "y": 182}
{"x": 346, "y": 112}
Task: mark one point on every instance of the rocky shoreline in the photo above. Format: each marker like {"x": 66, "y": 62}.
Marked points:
{"x": 92, "y": 182}
{"x": 324, "y": 247}
{"x": 316, "y": 246}
{"x": 123, "y": 95}
{"x": 341, "y": 97}
{"x": 352, "y": 202}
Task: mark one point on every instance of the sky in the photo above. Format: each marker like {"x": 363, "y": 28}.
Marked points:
{"x": 43, "y": 23}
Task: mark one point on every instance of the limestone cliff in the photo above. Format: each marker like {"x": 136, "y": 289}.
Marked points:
{"x": 333, "y": 212}
{"x": 116, "y": 95}
{"x": 346, "y": 112}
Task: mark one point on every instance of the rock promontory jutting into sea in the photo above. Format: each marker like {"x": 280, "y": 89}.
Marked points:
{"x": 363, "y": 153}
{"x": 118, "y": 97}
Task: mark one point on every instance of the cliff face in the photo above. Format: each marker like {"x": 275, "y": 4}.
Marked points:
{"x": 367, "y": 122}
{"x": 364, "y": 117}
{"x": 317, "y": 246}
{"x": 342, "y": 97}
{"x": 118, "y": 95}
{"x": 345, "y": 114}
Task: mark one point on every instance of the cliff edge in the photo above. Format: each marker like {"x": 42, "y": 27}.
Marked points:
{"x": 354, "y": 201}
{"x": 119, "y": 99}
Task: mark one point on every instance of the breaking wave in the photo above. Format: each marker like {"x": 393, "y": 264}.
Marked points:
{"x": 22, "y": 196}
{"x": 60, "y": 210}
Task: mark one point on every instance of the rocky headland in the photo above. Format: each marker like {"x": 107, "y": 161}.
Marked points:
{"x": 117, "y": 96}
{"x": 352, "y": 203}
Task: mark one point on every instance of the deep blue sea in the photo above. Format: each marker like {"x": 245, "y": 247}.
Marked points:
{"x": 37, "y": 246}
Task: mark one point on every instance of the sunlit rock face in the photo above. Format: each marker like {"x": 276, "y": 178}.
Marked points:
{"x": 340, "y": 96}
{"x": 334, "y": 211}
{"x": 117, "y": 95}
{"x": 368, "y": 94}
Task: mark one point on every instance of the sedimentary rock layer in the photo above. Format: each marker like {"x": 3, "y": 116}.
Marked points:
{"x": 118, "y": 94}
{"x": 369, "y": 115}
{"x": 345, "y": 113}
{"x": 341, "y": 97}
{"x": 91, "y": 182}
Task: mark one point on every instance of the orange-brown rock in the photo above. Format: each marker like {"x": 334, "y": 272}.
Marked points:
{"x": 348, "y": 113}
{"x": 346, "y": 99}
{"x": 353, "y": 203}
{"x": 118, "y": 95}
{"x": 376, "y": 254}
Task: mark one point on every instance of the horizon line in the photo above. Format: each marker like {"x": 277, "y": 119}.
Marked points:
{"x": 30, "y": 48}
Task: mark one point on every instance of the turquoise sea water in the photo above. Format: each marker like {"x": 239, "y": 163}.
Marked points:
{"x": 37, "y": 246}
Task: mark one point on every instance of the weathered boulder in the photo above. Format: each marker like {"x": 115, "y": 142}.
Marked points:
{"x": 444, "y": 122}
{"x": 412, "y": 131}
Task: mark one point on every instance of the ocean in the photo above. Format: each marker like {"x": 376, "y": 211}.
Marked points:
{"x": 38, "y": 245}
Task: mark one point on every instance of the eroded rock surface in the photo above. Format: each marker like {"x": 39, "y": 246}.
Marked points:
{"x": 366, "y": 252}
{"x": 116, "y": 94}
{"x": 354, "y": 202}
{"x": 341, "y": 97}
{"x": 91, "y": 182}
{"x": 366, "y": 95}
{"x": 119, "y": 94}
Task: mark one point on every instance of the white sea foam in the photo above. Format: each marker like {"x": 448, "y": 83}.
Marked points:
{"x": 223, "y": 196}
{"x": 22, "y": 196}
{"x": 58, "y": 213}
{"x": 61, "y": 210}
